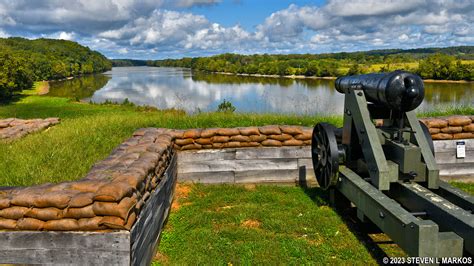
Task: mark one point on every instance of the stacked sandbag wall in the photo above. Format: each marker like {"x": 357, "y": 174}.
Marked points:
{"x": 109, "y": 197}
{"x": 451, "y": 127}
{"x": 14, "y": 128}
{"x": 242, "y": 137}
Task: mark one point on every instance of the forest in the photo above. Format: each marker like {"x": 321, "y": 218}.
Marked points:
{"x": 24, "y": 61}
{"x": 452, "y": 63}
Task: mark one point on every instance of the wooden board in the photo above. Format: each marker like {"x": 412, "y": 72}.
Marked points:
{"x": 450, "y": 166}
{"x": 81, "y": 248}
{"x": 147, "y": 229}
{"x": 273, "y": 153}
{"x": 238, "y": 165}
{"x": 247, "y": 165}
{"x": 219, "y": 177}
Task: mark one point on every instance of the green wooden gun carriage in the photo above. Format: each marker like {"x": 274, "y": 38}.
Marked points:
{"x": 388, "y": 171}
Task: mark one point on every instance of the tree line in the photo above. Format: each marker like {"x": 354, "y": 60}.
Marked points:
{"x": 454, "y": 63}
{"x": 24, "y": 61}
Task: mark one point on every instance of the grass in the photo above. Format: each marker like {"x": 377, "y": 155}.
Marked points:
{"x": 266, "y": 224}
{"x": 223, "y": 224}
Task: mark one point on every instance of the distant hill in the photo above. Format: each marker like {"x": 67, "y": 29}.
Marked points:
{"x": 454, "y": 63}
{"x": 23, "y": 61}
{"x": 127, "y": 62}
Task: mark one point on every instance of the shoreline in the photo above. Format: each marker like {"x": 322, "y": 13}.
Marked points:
{"x": 324, "y": 78}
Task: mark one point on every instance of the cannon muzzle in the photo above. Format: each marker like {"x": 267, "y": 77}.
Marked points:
{"x": 398, "y": 90}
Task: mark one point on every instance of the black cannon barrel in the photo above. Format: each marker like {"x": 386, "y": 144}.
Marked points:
{"x": 398, "y": 90}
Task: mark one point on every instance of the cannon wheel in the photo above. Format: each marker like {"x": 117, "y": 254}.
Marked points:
{"x": 324, "y": 152}
{"x": 427, "y": 134}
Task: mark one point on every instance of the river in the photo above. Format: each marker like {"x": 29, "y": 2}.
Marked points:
{"x": 180, "y": 88}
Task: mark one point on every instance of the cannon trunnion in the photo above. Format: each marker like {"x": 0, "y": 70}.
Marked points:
{"x": 388, "y": 170}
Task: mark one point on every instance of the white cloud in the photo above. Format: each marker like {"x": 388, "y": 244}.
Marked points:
{"x": 148, "y": 28}
{"x": 66, "y": 36}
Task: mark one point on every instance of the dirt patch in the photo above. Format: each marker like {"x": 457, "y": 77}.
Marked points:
{"x": 251, "y": 223}
{"x": 43, "y": 88}
{"x": 250, "y": 187}
{"x": 160, "y": 257}
{"x": 181, "y": 193}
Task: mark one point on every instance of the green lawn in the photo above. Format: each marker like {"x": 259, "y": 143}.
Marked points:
{"x": 224, "y": 224}
{"x": 266, "y": 224}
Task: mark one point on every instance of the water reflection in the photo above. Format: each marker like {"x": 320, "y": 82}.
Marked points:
{"x": 78, "y": 88}
{"x": 180, "y": 88}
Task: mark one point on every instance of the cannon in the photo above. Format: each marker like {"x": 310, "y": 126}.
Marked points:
{"x": 382, "y": 162}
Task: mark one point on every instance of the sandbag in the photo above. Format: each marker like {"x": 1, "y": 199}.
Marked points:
{"x": 77, "y": 213}
{"x": 29, "y": 224}
{"x": 204, "y": 141}
{"x": 58, "y": 199}
{"x": 468, "y": 128}
{"x": 307, "y": 142}
{"x": 113, "y": 192}
{"x": 194, "y": 146}
{"x": 464, "y": 135}
{"x": 207, "y": 146}
{"x": 459, "y": 121}
{"x": 240, "y": 138}
{"x": 45, "y": 214}
{"x": 436, "y": 122}
{"x": 81, "y": 199}
{"x": 434, "y": 130}
{"x": 4, "y": 202}
{"x": 130, "y": 221}
{"x": 442, "y": 136}
{"x": 112, "y": 222}
{"x": 192, "y": 133}
{"x": 121, "y": 209}
{"x": 209, "y": 132}
{"x": 292, "y": 130}
{"x": 14, "y": 212}
{"x": 90, "y": 224}
{"x": 220, "y": 139}
{"x": 9, "y": 224}
{"x": 303, "y": 136}
{"x": 270, "y": 130}
{"x": 451, "y": 129}
{"x": 217, "y": 145}
{"x": 247, "y": 131}
{"x": 281, "y": 137}
{"x": 292, "y": 142}
{"x": 249, "y": 144}
{"x": 228, "y": 131}
{"x": 182, "y": 142}
{"x": 257, "y": 138}
{"x": 88, "y": 185}
{"x": 232, "y": 144}
{"x": 61, "y": 225}
{"x": 271, "y": 143}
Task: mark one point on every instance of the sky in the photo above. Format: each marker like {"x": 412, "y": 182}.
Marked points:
{"x": 157, "y": 29}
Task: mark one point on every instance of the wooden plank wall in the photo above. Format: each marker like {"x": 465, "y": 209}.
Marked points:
{"x": 451, "y": 167}
{"x": 79, "y": 248}
{"x": 146, "y": 231}
{"x": 247, "y": 165}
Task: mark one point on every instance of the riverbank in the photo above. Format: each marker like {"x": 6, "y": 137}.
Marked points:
{"x": 324, "y": 78}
